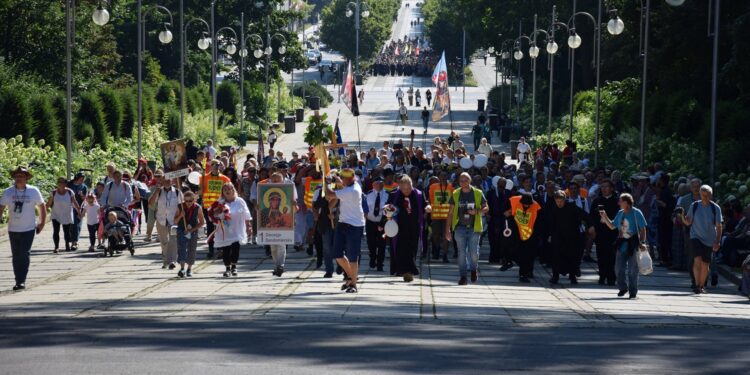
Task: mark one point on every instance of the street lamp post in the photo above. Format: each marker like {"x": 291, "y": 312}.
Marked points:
{"x": 267, "y": 50}
{"x": 615, "y": 26}
{"x": 360, "y": 8}
{"x": 518, "y": 55}
{"x": 100, "y": 16}
{"x": 231, "y": 48}
{"x": 165, "y": 37}
{"x": 505, "y": 55}
{"x": 203, "y": 44}
{"x": 533, "y": 54}
{"x": 645, "y": 23}
{"x": 552, "y": 48}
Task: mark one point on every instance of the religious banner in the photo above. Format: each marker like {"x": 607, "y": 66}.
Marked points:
{"x": 275, "y": 214}
{"x": 441, "y": 106}
{"x": 174, "y": 157}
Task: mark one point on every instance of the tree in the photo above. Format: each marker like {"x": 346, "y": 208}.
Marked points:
{"x": 15, "y": 115}
{"x": 227, "y": 97}
{"x": 91, "y": 114}
{"x": 338, "y": 30}
{"x": 47, "y": 123}
{"x": 130, "y": 113}
{"x": 113, "y": 111}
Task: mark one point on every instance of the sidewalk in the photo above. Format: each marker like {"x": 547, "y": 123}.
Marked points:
{"x": 82, "y": 284}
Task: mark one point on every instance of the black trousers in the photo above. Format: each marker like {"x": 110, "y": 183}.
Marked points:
{"x": 375, "y": 243}
{"x": 210, "y": 227}
{"x": 92, "y": 233}
{"x": 525, "y": 254}
{"x": 439, "y": 243}
{"x": 231, "y": 253}
{"x": 606, "y": 254}
{"x": 56, "y": 233}
{"x": 494, "y": 233}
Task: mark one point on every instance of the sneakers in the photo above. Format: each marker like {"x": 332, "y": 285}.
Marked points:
{"x": 474, "y": 276}
{"x": 227, "y": 273}
{"x": 171, "y": 266}
{"x": 181, "y": 274}
{"x": 278, "y": 271}
{"x": 632, "y": 296}
{"x": 462, "y": 281}
{"x": 622, "y": 292}
{"x": 234, "y": 270}
{"x": 703, "y": 291}
{"x": 147, "y": 239}
{"x": 19, "y": 286}
{"x": 91, "y": 249}
{"x": 352, "y": 289}
{"x": 55, "y": 251}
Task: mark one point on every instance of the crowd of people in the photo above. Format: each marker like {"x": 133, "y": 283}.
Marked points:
{"x": 405, "y": 57}
{"x": 444, "y": 198}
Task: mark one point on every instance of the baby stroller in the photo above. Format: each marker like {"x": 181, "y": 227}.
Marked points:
{"x": 123, "y": 230}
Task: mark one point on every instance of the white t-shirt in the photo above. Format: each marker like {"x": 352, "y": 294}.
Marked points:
{"x": 166, "y": 206}
{"x": 211, "y": 151}
{"x": 234, "y": 230}
{"x": 523, "y": 150}
{"x": 21, "y": 205}
{"x": 92, "y": 212}
{"x": 350, "y": 207}
{"x": 62, "y": 208}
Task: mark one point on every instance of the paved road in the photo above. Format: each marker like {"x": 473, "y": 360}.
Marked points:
{"x": 86, "y": 314}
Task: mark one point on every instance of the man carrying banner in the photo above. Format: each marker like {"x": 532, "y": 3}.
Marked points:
{"x": 348, "y": 233}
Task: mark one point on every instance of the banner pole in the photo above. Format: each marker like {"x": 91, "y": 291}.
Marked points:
{"x": 359, "y": 140}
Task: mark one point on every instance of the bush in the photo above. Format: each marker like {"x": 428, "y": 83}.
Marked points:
{"x": 255, "y": 101}
{"x": 167, "y": 94}
{"x": 15, "y": 115}
{"x": 130, "y": 113}
{"x": 91, "y": 113}
{"x": 313, "y": 88}
{"x": 173, "y": 124}
{"x": 59, "y": 105}
{"x": 199, "y": 128}
{"x": 47, "y": 124}
{"x": 227, "y": 97}
{"x": 113, "y": 111}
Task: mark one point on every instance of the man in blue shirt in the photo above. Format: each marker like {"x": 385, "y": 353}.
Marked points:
{"x": 704, "y": 219}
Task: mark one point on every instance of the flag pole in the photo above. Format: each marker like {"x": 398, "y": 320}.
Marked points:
{"x": 359, "y": 140}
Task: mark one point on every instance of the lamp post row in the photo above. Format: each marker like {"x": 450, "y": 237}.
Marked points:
{"x": 615, "y": 26}
{"x": 101, "y": 17}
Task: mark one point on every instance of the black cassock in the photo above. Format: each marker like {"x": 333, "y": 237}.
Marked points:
{"x": 410, "y": 228}
{"x": 567, "y": 240}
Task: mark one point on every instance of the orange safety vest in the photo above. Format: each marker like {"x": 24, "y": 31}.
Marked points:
{"x": 390, "y": 188}
{"x": 212, "y": 188}
{"x": 583, "y": 193}
{"x": 310, "y": 186}
{"x": 524, "y": 219}
{"x": 440, "y": 200}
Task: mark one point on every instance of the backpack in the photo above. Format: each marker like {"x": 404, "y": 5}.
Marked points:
{"x": 694, "y": 206}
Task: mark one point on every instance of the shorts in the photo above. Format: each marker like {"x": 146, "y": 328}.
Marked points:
{"x": 701, "y": 250}
{"x": 347, "y": 241}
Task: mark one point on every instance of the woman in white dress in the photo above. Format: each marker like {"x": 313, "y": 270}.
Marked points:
{"x": 63, "y": 203}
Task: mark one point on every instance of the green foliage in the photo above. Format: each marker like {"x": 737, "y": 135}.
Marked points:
{"x": 199, "y": 128}
{"x": 47, "y": 124}
{"x": 91, "y": 115}
{"x": 313, "y": 88}
{"x": 113, "y": 111}
{"x": 15, "y": 115}
{"x": 173, "y": 124}
{"x": 337, "y": 30}
{"x": 227, "y": 97}
{"x": 167, "y": 93}
{"x": 318, "y": 130}
{"x": 255, "y": 101}
{"x": 59, "y": 105}
{"x": 130, "y": 113}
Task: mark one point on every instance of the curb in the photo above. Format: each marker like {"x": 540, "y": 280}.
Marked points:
{"x": 730, "y": 275}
